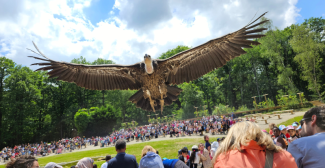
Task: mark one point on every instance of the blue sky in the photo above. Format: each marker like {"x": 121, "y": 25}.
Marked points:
{"x": 125, "y": 30}
{"x": 100, "y": 10}
{"x": 310, "y": 8}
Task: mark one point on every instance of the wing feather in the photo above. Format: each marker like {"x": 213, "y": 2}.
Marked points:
{"x": 213, "y": 54}
{"x": 95, "y": 77}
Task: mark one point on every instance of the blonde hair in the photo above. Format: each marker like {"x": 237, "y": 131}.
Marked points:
{"x": 146, "y": 149}
{"x": 241, "y": 134}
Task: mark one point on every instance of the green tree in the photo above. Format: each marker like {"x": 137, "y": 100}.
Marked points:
{"x": 81, "y": 120}
{"x": 308, "y": 55}
{"x": 6, "y": 66}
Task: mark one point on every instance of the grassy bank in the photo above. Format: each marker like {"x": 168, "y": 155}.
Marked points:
{"x": 166, "y": 149}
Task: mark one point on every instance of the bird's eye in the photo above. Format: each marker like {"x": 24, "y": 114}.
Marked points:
{"x": 149, "y": 55}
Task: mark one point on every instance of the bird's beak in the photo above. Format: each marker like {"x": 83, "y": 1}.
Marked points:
{"x": 147, "y": 60}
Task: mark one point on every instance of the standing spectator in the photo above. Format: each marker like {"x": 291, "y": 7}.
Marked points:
{"x": 247, "y": 146}
{"x": 194, "y": 159}
{"x": 23, "y": 162}
{"x": 149, "y": 158}
{"x": 108, "y": 158}
{"x": 122, "y": 159}
{"x": 309, "y": 150}
{"x": 207, "y": 143}
{"x": 204, "y": 156}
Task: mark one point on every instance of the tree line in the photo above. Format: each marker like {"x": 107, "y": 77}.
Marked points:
{"x": 34, "y": 107}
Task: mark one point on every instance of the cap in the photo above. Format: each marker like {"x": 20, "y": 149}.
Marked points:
{"x": 264, "y": 131}
{"x": 299, "y": 127}
{"x": 290, "y": 127}
{"x": 294, "y": 124}
{"x": 218, "y": 139}
{"x": 282, "y": 127}
{"x": 164, "y": 158}
{"x": 52, "y": 165}
{"x": 194, "y": 147}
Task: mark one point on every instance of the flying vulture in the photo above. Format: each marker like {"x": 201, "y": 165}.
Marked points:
{"x": 153, "y": 78}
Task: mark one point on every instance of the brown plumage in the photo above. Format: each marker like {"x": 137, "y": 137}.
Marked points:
{"x": 153, "y": 77}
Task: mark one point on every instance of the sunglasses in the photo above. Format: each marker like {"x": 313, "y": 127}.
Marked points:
{"x": 302, "y": 121}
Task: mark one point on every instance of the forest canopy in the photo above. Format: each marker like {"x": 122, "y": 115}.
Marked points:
{"x": 34, "y": 108}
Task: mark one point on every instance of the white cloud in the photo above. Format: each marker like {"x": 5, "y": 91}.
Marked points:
{"x": 62, "y": 32}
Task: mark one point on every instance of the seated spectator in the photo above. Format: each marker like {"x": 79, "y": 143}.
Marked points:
{"x": 271, "y": 126}
{"x": 292, "y": 133}
{"x": 173, "y": 163}
{"x": 149, "y": 158}
{"x": 246, "y": 146}
{"x": 85, "y": 163}
{"x": 107, "y": 159}
{"x": 278, "y": 139}
{"x": 52, "y": 165}
{"x": 24, "y": 162}
{"x": 122, "y": 159}
{"x": 309, "y": 150}
{"x": 204, "y": 156}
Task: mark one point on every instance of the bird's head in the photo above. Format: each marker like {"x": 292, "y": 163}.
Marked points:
{"x": 148, "y": 63}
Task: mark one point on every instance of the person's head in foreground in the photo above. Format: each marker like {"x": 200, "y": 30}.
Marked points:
{"x": 85, "y": 163}
{"x": 108, "y": 157}
{"x": 120, "y": 146}
{"x": 23, "y": 162}
{"x": 147, "y": 149}
{"x": 52, "y": 165}
{"x": 313, "y": 122}
{"x": 246, "y": 145}
{"x": 149, "y": 158}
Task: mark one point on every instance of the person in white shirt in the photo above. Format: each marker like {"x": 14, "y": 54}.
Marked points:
{"x": 108, "y": 158}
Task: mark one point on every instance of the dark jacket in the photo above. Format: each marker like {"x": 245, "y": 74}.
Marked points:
{"x": 123, "y": 160}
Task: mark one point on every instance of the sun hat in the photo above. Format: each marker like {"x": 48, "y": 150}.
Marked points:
{"x": 289, "y": 127}
{"x": 194, "y": 147}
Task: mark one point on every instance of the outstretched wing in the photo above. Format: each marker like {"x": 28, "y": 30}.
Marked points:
{"x": 94, "y": 77}
{"x": 193, "y": 63}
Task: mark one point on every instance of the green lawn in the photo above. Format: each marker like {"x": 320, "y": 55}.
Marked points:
{"x": 166, "y": 149}
{"x": 288, "y": 122}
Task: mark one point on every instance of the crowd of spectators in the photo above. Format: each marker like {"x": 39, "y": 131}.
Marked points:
{"x": 246, "y": 145}
{"x": 212, "y": 124}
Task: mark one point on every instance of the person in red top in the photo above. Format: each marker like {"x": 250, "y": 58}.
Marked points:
{"x": 246, "y": 146}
